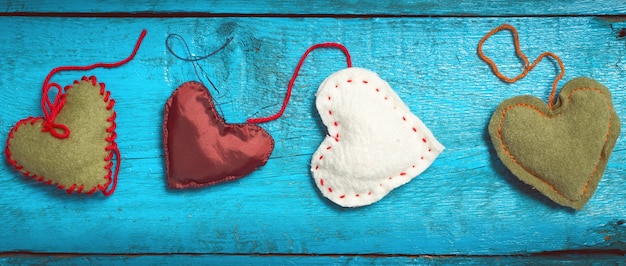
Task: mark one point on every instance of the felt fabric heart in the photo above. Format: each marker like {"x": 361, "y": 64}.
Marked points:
{"x": 374, "y": 142}
{"x": 79, "y": 162}
{"x": 562, "y": 152}
{"x": 201, "y": 149}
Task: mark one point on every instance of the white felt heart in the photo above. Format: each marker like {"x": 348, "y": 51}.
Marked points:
{"x": 374, "y": 142}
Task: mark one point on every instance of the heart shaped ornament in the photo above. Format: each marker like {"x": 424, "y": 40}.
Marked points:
{"x": 201, "y": 149}
{"x": 78, "y": 161}
{"x": 374, "y": 142}
{"x": 563, "y": 151}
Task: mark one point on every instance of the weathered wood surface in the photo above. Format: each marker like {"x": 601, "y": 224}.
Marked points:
{"x": 189, "y": 259}
{"x": 326, "y": 7}
{"x": 466, "y": 204}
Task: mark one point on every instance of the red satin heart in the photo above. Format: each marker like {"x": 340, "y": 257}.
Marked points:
{"x": 201, "y": 149}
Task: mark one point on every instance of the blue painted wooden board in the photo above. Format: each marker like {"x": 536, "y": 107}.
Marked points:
{"x": 327, "y": 7}
{"x": 67, "y": 260}
{"x": 466, "y": 204}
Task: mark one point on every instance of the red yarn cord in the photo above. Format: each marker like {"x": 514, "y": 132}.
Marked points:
{"x": 295, "y": 75}
{"x": 527, "y": 67}
{"x": 51, "y": 109}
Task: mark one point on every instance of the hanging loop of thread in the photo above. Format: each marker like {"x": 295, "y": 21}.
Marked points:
{"x": 295, "y": 75}
{"x": 191, "y": 57}
{"x": 51, "y": 109}
{"x": 527, "y": 67}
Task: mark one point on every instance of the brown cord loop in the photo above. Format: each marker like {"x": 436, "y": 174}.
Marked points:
{"x": 527, "y": 67}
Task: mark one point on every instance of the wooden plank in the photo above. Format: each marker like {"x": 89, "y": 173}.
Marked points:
{"x": 328, "y": 7}
{"x": 466, "y": 203}
{"x": 65, "y": 260}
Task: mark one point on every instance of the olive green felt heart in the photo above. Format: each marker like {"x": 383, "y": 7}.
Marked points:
{"x": 80, "y": 162}
{"x": 563, "y": 151}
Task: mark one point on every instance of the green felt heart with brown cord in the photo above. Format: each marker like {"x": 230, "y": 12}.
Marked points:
{"x": 562, "y": 152}
{"x": 80, "y": 162}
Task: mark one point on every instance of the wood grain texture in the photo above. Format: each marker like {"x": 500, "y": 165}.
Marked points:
{"x": 326, "y": 7}
{"x": 233, "y": 260}
{"x": 467, "y": 203}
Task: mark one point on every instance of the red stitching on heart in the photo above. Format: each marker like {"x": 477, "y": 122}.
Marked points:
{"x": 335, "y": 123}
{"x": 551, "y": 186}
{"x": 51, "y": 109}
{"x": 111, "y": 148}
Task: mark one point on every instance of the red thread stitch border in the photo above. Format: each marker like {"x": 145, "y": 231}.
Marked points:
{"x": 336, "y": 137}
{"x": 111, "y": 147}
{"x": 551, "y": 186}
